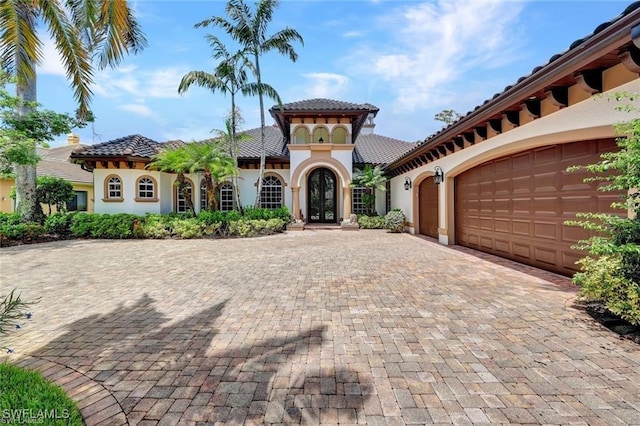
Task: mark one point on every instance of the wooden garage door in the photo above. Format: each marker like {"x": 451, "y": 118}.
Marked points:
{"x": 428, "y": 199}
{"x": 515, "y": 206}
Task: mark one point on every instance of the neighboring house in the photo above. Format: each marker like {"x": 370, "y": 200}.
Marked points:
{"x": 504, "y": 190}
{"x": 55, "y": 162}
{"x": 311, "y": 156}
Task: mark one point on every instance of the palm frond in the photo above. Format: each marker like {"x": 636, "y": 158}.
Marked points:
{"x": 118, "y": 33}
{"x": 20, "y": 47}
{"x": 75, "y": 57}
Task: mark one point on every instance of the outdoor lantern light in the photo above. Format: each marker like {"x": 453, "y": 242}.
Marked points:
{"x": 407, "y": 183}
{"x": 321, "y": 140}
{"x": 439, "y": 176}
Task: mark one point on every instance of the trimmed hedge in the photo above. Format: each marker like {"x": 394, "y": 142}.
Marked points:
{"x": 370, "y": 222}
{"x": 126, "y": 226}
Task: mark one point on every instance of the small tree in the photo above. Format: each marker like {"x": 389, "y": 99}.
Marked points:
{"x": 611, "y": 272}
{"x": 371, "y": 178}
{"x": 175, "y": 161}
{"x": 54, "y": 191}
{"x": 448, "y": 116}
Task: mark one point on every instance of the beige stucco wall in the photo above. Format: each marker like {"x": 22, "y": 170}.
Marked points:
{"x": 7, "y": 203}
{"x": 592, "y": 118}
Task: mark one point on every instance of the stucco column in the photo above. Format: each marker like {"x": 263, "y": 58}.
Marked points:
{"x": 295, "y": 195}
{"x": 346, "y": 196}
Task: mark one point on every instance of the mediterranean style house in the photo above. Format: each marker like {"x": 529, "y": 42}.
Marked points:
{"x": 495, "y": 180}
{"x": 312, "y": 154}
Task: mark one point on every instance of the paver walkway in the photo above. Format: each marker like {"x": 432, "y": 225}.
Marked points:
{"x": 314, "y": 327}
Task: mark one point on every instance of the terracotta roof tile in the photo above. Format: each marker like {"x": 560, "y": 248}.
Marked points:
{"x": 320, "y": 104}
{"x": 128, "y": 146}
{"x": 378, "y": 149}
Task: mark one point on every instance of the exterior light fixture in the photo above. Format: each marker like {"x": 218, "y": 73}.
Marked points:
{"x": 321, "y": 140}
{"x": 439, "y": 176}
{"x": 407, "y": 183}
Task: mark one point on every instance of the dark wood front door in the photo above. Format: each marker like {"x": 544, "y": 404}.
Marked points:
{"x": 321, "y": 196}
{"x": 428, "y": 196}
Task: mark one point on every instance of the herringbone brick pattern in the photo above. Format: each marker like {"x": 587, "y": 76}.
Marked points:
{"x": 314, "y": 327}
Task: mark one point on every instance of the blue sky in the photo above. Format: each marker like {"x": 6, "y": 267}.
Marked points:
{"x": 411, "y": 59}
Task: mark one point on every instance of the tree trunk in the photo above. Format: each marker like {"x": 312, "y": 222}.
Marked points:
{"x": 186, "y": 194}
{"x": 26, "y": 199}
{"x": 211, "y": 192}
{"x": 262, "y": 147}
{"x": 234, "y": 155}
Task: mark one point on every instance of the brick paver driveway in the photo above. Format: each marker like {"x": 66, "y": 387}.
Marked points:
{"x": 314, "y": 327}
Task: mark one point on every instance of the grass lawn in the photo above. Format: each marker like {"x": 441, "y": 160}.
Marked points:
{"x": 27, "y": 397}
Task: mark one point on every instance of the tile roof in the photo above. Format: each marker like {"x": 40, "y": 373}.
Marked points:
{"x": 55, "y": 162}
{"x": 378, "y": 149}
{"x": 320, "y": 104}
{"x": 370, "y": 148}
{"x": 128, "y": 146}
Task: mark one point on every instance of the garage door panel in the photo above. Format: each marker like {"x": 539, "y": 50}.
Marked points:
{"x": 428, "y": 215}
{"x": 545, "y": 156}
{"x": 516, "y": 206}
{"x": 547, "y": 206}
{"x": 502, "y": 225}
{"x": 545, "y": 230}
{"x": 546, "y": 255}
{"x": 546, "y": 182}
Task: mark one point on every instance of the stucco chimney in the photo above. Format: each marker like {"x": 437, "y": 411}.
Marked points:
{"x": 73, "y": 139}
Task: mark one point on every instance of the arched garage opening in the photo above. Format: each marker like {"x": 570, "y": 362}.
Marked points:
{"x": 515, "y": 206}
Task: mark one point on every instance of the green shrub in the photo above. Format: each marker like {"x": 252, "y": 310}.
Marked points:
{"x": 254, "y": 228}
{"x": 110, "y": 226}
{"x": 241, "y": 228}
{"x": 155, "y": 230}
{"x": 24, "y": 232}
{"x": 187, "y": 228}
{"x": 59, "y": 223}
{"x": 395, "y": 220}
{"x": 10, "y": 219}
{"x": 370, "y": 222}
{"x": 603, "y": 279}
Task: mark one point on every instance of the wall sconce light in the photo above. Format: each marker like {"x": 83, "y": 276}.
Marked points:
{"x": 321, "y": 140}
{"x": 439, "y": 176}
{"x": 407, "y": 183}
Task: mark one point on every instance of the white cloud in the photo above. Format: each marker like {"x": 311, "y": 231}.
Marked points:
{"x": 432, "y": 45}
{"x": 131, "y": 81}
{"x": 326, "y": 85}
{"x": 139, "y": 109}
{"x": 51, "y": 63}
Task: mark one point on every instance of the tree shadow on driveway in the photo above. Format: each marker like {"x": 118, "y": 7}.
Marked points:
{"x": 188, "y": 371}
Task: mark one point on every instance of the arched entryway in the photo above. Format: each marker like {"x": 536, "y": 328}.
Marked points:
{"x": 428, "y": 216}
{"x": 322, "y": 196}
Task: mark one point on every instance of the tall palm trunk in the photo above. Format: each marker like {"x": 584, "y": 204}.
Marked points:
{"x": 26, "y": 204}
{"x": 262, "y": 147}
{"x": 211, "y": 191}
{"x": 234, "y": 154}
{"x": 186, "y": 194}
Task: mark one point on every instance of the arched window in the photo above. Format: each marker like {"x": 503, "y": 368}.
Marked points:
{"x": 204, "y": 202}
{"x": 271, "y": 195}
{"x": 321, "y": 135}
{"x": 226, "y": 197}
{"x": 301, "y": 135}
{"x": 339, "y": 135}
{"x": 146, "y": 188}
{"x": 181, "y": 203}
{"x": 113, "y": 188}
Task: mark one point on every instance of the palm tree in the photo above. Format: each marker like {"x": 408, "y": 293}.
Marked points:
{"x": 229, "y": 139}
{"x": 175, "y": 161}
{"x": 371, "y": 178}
{"x": 249, "y": 28}
{"x": 229, "y": 76}
{"x": 83, "y": 31}
{"x": 215, "y": 166}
